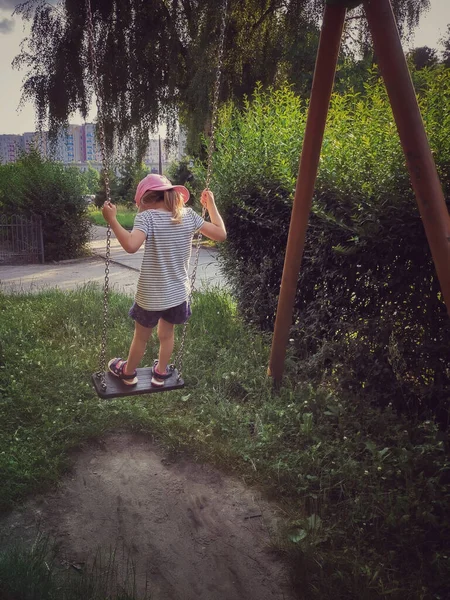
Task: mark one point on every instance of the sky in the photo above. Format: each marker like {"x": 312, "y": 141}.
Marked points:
{"x": 432, "y": 27}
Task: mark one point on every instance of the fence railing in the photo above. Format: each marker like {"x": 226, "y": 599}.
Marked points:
{"x": 21, "y": 240}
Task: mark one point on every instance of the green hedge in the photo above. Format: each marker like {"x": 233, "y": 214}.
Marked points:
{"x": 368, "y": 312}
{"x": 38, "y": 186}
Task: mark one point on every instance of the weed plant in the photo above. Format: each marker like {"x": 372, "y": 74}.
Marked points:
{"x": 367, "y": 490}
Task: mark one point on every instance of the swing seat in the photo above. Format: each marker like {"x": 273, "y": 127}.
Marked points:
{"x": 115, "y": 388}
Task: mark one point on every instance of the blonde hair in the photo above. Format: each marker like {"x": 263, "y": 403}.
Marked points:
{"x": 173, "y": 202}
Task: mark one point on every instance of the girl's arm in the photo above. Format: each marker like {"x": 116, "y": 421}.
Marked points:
{"x": 130, "y": 241}
{"x": 216, "y": 229}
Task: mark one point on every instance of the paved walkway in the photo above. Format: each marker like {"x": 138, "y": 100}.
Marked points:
{"x": 124, "y": 269}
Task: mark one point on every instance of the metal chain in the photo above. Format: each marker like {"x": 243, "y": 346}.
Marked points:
{"x": 105, "y": 162}
{"x": 214, "y": 110}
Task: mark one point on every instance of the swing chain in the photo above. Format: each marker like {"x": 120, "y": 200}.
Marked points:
{"x": 214, "y": 110}
{"x": 105, "y": 161}
{"x": 215, "y": 103}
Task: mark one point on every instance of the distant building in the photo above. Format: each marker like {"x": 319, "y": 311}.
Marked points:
{"x": 151, "y": 156}
{"x": 68, "y": 147}
{"x": 10, "y": 148}
{"x": 32, "y": 141}
{"x": 181, "y": 148}
{"x": 77, "y": 145}
{"x": 91, "y": 147}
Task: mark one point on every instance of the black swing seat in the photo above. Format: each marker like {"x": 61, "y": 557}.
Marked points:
{"x": 115, "y": 388}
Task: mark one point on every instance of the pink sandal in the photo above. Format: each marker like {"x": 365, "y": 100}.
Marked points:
{"x": 116, "y": 366}
{"x": 158, "y": 378}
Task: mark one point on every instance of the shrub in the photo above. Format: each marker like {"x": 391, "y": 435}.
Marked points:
{"x": 368, "y": 312}
{"x": 38, "y": 186}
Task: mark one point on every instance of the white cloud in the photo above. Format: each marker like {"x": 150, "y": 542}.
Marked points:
{"x": 6, "y": 25}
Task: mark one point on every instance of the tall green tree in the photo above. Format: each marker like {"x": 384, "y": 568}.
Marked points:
{"x": 91, "y": 180}
{"x": 157, "y": 58}
{"x": 423, "y": 57}
{"x": 129, "y": 172}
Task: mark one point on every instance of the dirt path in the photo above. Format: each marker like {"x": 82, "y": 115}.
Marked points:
{"x": 192, "y": 532}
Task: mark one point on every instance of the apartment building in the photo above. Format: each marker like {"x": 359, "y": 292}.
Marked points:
{"x": 77, "y": 145}
{"x": 151, "y": 157}
{"x": 10, "y": 147}
{"x": 33, "y": 140}
{"x": 91, "y": 147}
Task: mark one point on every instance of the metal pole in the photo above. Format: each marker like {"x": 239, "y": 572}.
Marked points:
{"x": 160, "y": 156}
{"x": 41, "y": 240}
{"x": 330, "y": 40}
{"x": 421, "y": 167}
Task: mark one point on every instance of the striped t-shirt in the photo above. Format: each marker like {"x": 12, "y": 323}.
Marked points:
{"x": 164, "y": 278}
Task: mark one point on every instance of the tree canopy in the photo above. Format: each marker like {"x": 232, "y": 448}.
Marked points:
{"x": 157, "y": 58}
{"x": 423, "y": 57}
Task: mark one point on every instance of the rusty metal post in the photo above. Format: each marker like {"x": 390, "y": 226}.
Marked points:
{"x": 160, "y": 157}
{"x": 330, "y": 40}
{"x": 421, "y": 166}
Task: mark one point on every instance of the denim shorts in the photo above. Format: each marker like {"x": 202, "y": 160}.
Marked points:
{"x": 149, "y": 318}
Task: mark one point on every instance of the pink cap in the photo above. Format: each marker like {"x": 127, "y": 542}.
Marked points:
{"x": 155, "y": 182}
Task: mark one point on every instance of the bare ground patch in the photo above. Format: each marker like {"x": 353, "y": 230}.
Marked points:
{"x": 191, "y": 532}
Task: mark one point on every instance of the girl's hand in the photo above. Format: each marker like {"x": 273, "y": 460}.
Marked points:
{"x": 207, "y": 198}
{"x": 109, "y": 211}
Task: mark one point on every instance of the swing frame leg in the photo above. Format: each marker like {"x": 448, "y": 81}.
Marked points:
{"x": 421, "y": 166}
{"x": 419, "y": 159}
{"x": 327, "y": 56}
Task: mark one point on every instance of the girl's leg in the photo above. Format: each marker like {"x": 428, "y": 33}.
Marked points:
{"x": 166, "y": 341}
{"x": 137, "y": 349}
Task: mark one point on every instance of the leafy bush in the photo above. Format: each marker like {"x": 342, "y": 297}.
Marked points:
{"x": 368, "y": 312}
{"x": 38, "y": 186}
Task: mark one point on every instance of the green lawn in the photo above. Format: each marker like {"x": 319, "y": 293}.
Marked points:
{"x": 366, "y": 492}
{"x": 125, "y": 216}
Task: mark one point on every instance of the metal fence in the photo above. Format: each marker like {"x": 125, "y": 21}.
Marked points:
{"x": 21, "y": 240}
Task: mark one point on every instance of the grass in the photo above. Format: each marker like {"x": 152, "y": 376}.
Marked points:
{"x": 36, "y": 573}
{"x": 125, "y": 216}
{"x": 367, "y": 492}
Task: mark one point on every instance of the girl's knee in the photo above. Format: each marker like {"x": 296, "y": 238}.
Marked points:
{"x": 165, "y": 336}
{"x": 142, "y": 333}
{"x": 165, "y": 331}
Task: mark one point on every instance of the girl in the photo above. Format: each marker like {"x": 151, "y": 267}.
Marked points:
{"x": 167, "y": 228}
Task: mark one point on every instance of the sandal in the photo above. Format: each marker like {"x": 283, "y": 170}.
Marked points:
{"x": 158, "y": 379}
{"x": 116, "y": 366}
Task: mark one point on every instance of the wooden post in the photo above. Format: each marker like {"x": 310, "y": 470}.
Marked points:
{"x": 330, "y": 40}
{"x": 419, "y": 159}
